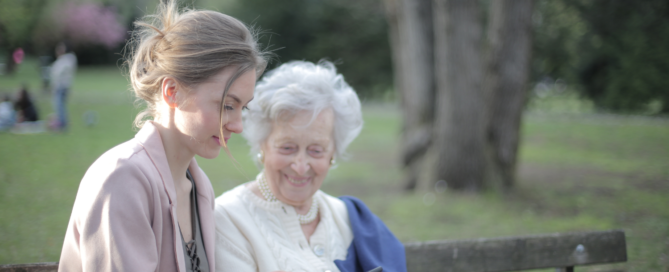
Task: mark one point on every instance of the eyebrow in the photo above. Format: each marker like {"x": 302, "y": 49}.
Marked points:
{"x": 239, "y": 100}
{"x": 318, "y": 140}
{"x": 235, "y": 98}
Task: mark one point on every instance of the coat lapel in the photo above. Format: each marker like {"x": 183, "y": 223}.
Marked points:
{"x": 150, "y": 139}
{"x": 205, "y": 202}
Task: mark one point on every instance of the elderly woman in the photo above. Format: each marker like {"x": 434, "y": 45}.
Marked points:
{"x": 303, "y": 117}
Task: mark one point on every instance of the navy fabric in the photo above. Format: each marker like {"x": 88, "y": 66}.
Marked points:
{"x": 373, "y": 244}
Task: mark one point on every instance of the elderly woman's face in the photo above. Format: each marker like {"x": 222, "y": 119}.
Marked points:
{"x": 297, "y": 156}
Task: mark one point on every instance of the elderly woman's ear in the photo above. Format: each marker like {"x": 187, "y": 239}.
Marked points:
{"x": 261, "y": 156}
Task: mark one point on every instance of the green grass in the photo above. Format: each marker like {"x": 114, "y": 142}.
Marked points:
{"x": 578, "y": 171}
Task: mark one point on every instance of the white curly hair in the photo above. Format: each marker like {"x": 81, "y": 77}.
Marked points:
{"x": 297, "y": 86}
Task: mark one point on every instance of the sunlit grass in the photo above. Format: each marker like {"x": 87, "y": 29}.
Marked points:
{"x": 578, "y": 171}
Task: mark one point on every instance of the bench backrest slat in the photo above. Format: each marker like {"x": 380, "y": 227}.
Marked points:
{"x": 518, "y": 253}
{"x": 487, "y": 255}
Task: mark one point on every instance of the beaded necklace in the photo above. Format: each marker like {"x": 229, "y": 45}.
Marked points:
{"x": 267, "y": 194}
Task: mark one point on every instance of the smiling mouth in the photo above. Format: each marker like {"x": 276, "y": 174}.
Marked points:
{"x": 297, "y": 182}
{"x": 218, "y": 140}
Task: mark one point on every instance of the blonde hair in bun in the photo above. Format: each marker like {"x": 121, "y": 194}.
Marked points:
{"x": 189, "y": 46}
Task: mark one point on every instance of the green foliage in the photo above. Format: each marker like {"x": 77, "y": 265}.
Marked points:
{"x": 17, "y": 20}
{"x": 352, "y": 33}
{"x": 557, "y": 30}
{"x": 629, "y": 65}
{"x": 614, "y": 50}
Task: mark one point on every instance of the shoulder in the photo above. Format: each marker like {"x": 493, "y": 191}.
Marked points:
{"x": 231, "y": 209}
{"x": 234, "y": 228}
{"x": 336, "y": 205}
{"x": 362, "y": 219}
{"x": 242, "y": 210}
{"x": 359, "y": 213}
{"x": 71, "y": 58}
{"x": 230, "y": 198}
{"x": 126, "y": 169}
{"x": 122, "y": 151}
{"x": 126, "y": 158}
{"x": 354, "y": 203}
{"x": 336, "y": 209}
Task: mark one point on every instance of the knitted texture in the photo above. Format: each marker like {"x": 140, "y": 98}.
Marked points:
{"x": 269, "y": 234}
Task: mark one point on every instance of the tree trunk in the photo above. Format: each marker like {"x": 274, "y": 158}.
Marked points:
{"x": 411, "y": 40}
{"x": 460, "y": 123}
{"x": 507, "y": 74}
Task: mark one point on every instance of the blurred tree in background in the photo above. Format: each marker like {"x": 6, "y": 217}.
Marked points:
{"x": 615, "y": 52}
{"x": 352, "y": 33}
{"x": 89, "y": 25}
{"x": 18, "y": 20}
{"x": 462, "y": 92}
{"x": 95, "y": 29}
{"x": 412, "y": 43}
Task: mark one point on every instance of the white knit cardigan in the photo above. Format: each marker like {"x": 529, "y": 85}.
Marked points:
{"x": 253, "y": 234}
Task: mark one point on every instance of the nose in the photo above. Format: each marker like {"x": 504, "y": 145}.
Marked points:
{"x": 300, "y": 164}
{"x": 235, "y": 125}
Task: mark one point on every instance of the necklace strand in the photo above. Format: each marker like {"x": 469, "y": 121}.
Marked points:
{"x": 267, "y": 194}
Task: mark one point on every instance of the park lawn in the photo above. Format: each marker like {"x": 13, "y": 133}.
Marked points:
{"x": 577, "y": 172}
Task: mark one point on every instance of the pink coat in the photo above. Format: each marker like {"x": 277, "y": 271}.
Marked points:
{"x": 124, "y": 216}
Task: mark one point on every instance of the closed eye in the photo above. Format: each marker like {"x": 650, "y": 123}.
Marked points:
{"x": 287, "y": 149}
{"x": 316, "y": 152}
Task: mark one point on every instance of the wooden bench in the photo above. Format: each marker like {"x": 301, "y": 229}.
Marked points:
{"x": 561, "y": 250}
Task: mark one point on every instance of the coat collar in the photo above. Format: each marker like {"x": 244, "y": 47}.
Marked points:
{"x": 150, "y": 139}
{"x": 205, "y": 202}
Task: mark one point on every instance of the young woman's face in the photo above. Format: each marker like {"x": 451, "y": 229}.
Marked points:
{"x": 297, "y": 156}
{"x": 198, "y": 118}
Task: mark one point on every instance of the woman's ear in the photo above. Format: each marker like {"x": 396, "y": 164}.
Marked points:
{"x": 169, "y": 91}
{"x": 261, "y": 153}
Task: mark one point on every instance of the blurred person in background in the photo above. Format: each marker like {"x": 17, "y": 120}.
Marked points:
{"x": 145, "y": 205}
{"x": 62, "y": 75}
{"x": 45, "y": 72}
{"x": 7, "y": 113}
{"x": 26, "y": 111}
{"x": 302, "y": 119}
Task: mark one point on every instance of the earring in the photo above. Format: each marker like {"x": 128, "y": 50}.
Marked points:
{"x": 261, "y": 156}
{"x": 332, "y": 160}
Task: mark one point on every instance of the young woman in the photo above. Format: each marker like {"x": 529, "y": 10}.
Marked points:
{"x": 145, "y": 205}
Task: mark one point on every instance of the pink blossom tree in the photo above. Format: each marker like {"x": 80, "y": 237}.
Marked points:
{"x": 90, "y": 23}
